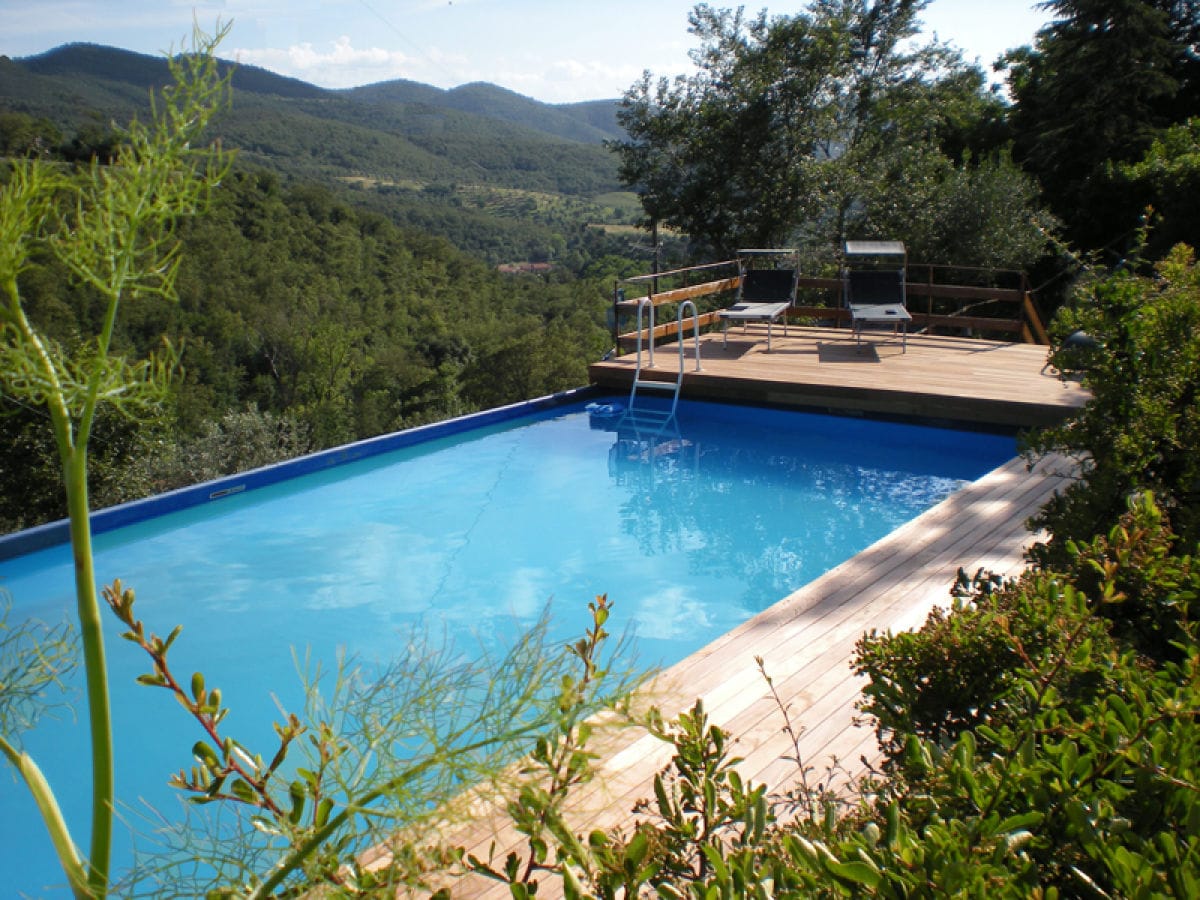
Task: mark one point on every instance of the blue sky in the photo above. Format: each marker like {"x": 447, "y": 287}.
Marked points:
{"x": 553, "y": 50}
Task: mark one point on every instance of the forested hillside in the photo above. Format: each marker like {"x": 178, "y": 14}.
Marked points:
{"x": 591, "y": 122}
{"x": 414, "y": 153}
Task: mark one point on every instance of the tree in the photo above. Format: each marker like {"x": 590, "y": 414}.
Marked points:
{"x": 1099, "y": 85}
{"x": 817, "y": 127}
{"x": 23, "y": 135}
{"x": 981, "y": 214}
{"x": 1167, "y": 179}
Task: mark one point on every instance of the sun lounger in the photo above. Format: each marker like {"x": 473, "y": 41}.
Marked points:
{"x": 764, "y": 295}
{"x": 873, "y": 288}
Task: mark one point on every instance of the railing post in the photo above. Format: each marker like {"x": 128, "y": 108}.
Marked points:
{"x": 695, "y": 332}
{"x": 1032, "y": 316}
{"x": 618, "y": 298}
{"x": 642, "y": 304}
{"x": 928, "y": 294}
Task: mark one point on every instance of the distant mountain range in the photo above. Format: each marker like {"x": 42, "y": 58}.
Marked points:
{"x": 397, "y": 131}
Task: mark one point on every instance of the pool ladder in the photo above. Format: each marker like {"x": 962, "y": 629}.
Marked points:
{"x": 643, "y": 414}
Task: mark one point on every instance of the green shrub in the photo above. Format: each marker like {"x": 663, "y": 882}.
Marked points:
{"x": 1141, "y": 427}
{"x": 965, "y": 666}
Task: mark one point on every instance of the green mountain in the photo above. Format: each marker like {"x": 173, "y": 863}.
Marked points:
{"x": 583, "y": 122}
{"x": 397, "y": 133}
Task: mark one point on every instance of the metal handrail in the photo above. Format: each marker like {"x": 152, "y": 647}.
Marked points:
{"x": 695, "y": 332}
{"x": 642, "y": 304}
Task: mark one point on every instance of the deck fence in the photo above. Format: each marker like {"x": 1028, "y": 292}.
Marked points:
{"x": 956, "y": 300}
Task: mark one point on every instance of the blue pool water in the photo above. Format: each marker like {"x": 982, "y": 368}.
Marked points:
{"x": 688, "y": 534}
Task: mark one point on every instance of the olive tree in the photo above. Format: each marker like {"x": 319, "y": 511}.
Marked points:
{"x": 830, "y": 124}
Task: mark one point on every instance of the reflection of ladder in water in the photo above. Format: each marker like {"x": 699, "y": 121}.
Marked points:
{"x": 643, "y": 414}
{"x": 643, "y": 441}
{"x": 649, "y": 454}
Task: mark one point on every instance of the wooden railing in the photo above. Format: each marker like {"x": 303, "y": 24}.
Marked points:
{"x": 936, "y": 306}
{"x": 726, "y": 282}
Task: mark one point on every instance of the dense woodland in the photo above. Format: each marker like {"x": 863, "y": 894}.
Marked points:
{"x": 1041, "y": 738}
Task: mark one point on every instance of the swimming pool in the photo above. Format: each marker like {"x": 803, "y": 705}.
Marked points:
{"x": 689, "y": 532}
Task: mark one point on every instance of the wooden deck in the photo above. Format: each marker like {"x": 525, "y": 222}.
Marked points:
{"x": 806, "y": 640}
{"x": 954, "y": 380}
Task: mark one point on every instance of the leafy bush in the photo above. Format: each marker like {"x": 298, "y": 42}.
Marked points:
{"x": 241, "y": 440}
{"x": 1140, "y": 429}
{"x": 1072, "y": 740}
{"x": 963, "y": 667}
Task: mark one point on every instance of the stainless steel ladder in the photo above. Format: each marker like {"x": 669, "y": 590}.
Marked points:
{"x": 660, "y": 387}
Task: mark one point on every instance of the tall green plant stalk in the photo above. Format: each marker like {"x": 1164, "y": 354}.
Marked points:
{"x": 113, "y": 227}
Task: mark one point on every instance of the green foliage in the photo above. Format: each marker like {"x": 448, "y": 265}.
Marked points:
{"x": 559, "y": 764}
{"x": 703, "y": 824}
{"x": 22, "y": 135}
{"x": 1166, "y": 179}
{"x": 35, "y": 660}
{"x": 1104, "y": 78}
{"x": 1072, "y": 768}
{"x": 701, "y": 805}
{"x": 357, "y": 785}
{"x": 241, "y": 440}
{"x": 953, "y": 673}
{"x": 1141, "y": 426}
{"x": 827, "y": 125}
{"x": 31, "y": 470}
{"x": 975, "y": 213}
{"x": 967, "y": 667}
{"x": 294, "y": 302}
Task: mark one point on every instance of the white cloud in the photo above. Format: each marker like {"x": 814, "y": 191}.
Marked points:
{"x": 338, "y": 64}
{"x": 568, "y": 80}
{"x": 673, "y": 613}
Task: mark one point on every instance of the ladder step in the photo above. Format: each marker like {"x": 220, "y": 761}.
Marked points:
{"x": 655, "y": 415}
{"x": 656, "y": 385}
